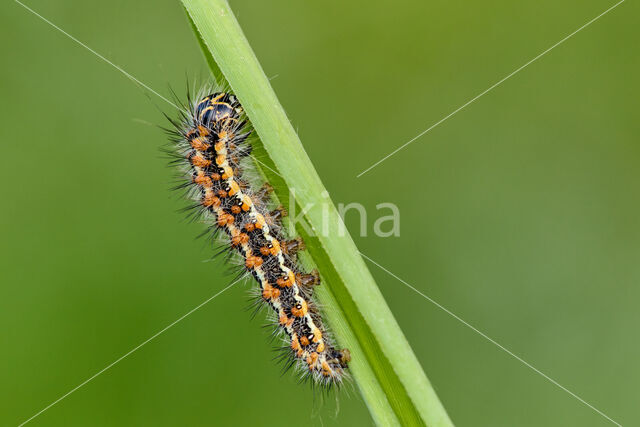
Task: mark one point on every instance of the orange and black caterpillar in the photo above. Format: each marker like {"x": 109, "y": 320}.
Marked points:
{"x": 211, "y": 141}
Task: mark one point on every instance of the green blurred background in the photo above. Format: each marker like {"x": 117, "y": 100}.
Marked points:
{"x": 520, "y": 213}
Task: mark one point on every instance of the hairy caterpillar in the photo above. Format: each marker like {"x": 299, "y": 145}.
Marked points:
{"x": 211, "y": 142}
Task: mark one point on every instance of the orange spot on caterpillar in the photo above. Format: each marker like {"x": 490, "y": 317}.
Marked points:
{"x": 210, "y": 200}
{"x": 275, "y": 248}
{"x": 199, "y": 161}
{"x": 228, "y": 172}
{"x": 199, "y": 144}
{"x": 326, "y": 369}
{"x": 260, "y": 223}
{"x": 234, "y": 188}
{"x": 283, "y": 319}
{"x": 240, "y": 239}
{"x": 220, "y": 159}
{"x": 289, "y": 322}
{"x": 317, "y": 336}
{"x": 246, "y": 203}
{"x": 304, "y": 341}
{"x": 203, "y": 130}
{"x": 295, "y": 345}
{"x": 269, "y": 292}
{"x": 312, "y": 359}
{"x": 253, "y": 262}
{"x": 224, "y": 219}
{"x": 203, "y": 180}
{"x": 300, "y": 309}
{"x": 284, "y": 282}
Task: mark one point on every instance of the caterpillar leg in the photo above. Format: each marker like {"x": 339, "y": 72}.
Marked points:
{"x": 292, "y": 247}
{"x": 309, "y": 280}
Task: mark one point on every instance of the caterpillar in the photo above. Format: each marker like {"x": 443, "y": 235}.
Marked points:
{"x": 211, "y": 142}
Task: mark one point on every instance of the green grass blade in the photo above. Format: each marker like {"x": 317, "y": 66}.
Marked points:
{"x": 383, "y": 365}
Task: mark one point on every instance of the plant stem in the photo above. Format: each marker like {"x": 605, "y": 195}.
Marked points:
{"x": 389, "y": 376}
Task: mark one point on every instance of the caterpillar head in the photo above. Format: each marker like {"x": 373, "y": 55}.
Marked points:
{"x": 217, "y": 108}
